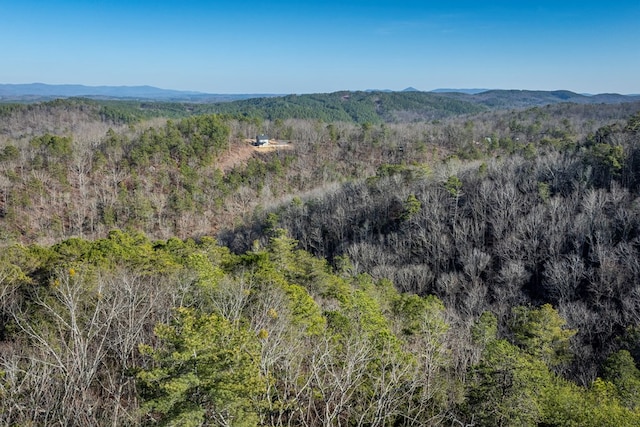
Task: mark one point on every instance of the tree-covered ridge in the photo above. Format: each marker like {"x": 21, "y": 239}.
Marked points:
{"x": 115, "y": 112}
{"x": 512, "y": 99}
{"x": 358, "y": 107}
{"x": 128, "y": 331}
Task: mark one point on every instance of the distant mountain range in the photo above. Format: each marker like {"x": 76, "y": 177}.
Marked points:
{"x": 491, "y": 98}
{"x": 374, "y": 106}
{"x": 41, "y": 91}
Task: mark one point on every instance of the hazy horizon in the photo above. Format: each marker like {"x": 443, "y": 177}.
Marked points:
{"x": 469, "y": 90}
{"x": 285, "y": 47}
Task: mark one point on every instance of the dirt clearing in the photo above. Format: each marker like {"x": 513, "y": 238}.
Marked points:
{"x": 239, "y": 153}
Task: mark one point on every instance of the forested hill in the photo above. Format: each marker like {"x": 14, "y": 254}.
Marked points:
{"x": 506, "y": 99}
{"x": 359, "y": 107}
{"x": 406, "y": 106}
{"x": 351, "y": 107}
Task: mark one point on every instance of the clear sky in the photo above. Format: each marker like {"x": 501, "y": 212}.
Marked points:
{"x": 241, "y": 46}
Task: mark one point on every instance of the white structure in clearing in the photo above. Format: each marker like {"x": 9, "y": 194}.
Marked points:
{"x": 262, "y": 139}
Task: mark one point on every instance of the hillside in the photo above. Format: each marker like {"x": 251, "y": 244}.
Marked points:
{"x": 358, "y": 107}
{"x": 131, "y": 168}
{"x": 478, "y": 269}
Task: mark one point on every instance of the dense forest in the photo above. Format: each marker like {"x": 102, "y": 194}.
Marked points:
{"x": 476, "y": 267}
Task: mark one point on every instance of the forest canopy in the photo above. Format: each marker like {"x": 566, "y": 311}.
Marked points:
{"x": 478, "y": 269}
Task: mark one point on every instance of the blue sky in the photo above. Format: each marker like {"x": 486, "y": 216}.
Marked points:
{"x": 323, "y": 46}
